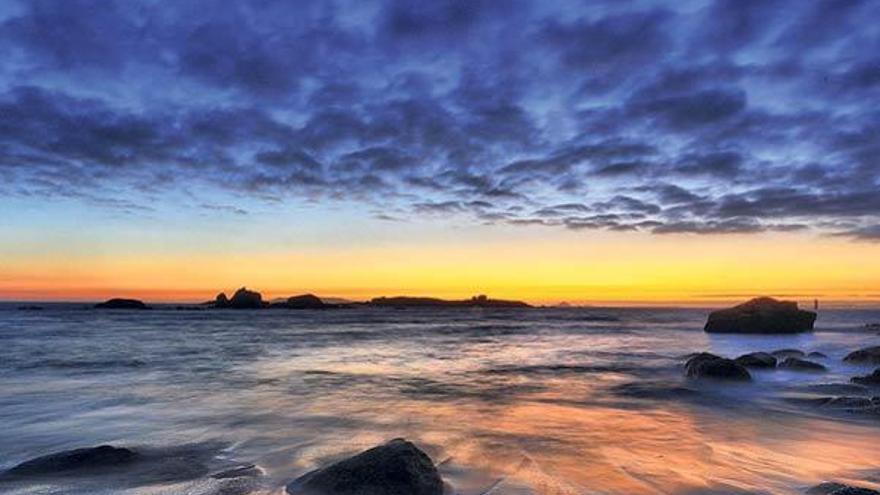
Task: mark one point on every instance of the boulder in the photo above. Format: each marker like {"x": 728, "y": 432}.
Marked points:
{"x": 787, "y": 353}
{"x": 91, "y": 458}
{"x": 756, "y": 360}
{"x": 762, "y": 315}
{"x": 395, "y": 468}
{"x": 869, "y": 355}
{"x": 798, "y": 364}
{"x": 871, "y": 380}
{"x": 706, "y": 365}
{"x": 119, "y": 303}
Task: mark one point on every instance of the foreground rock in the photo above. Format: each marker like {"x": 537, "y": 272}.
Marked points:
{"x": 761, "y": 315}
{"x": 706, "y": 365}
{"x": 787, "y": 353}
{"x": 756, "y": 360}
{"x": 871, "y": 380}
{"x": 119, "y": 303}
{"x": 395, "y": 468}
{"x": 797, "y": 364}
{"x": 867, "y": 355}
{"x": 242, "y": 299}
{"x": 832, "y": 488}
{"x": 92, "y": 458}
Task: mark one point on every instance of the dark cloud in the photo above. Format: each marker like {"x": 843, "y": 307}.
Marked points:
{"x": 727, "y": 116}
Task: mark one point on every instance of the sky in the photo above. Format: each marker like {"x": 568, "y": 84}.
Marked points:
{"x": 589, "y": 151}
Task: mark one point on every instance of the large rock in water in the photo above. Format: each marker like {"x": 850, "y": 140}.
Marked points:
{"x": 761, "y": 315}
{"x": 395, "y": 468}
{"x": 119, "y": 303}
{"x": 242, "y": 299}
{"x": 798, "y": 364}
{"x": 304, "y": 301}
{"x": 867, "y": 355}
{"x": 706, "y": 365}
{"x": 91, "y": 458}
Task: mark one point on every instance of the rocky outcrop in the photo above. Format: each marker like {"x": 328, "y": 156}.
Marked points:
{"x": 870, "y": 355}
{"x": 833, "y": 488}
{"x": 763, "y": 315}
{"x": 242, "y": 299}
{"x": 119, "y": 303}
{"x": 756, "y": 360}
{"x": 706, "y": 365}
{"x": 305, "y": 301}
{"x": 870, "y": 380}
{"x": 480, "y": 301}
{"x": 798, "y": 364}
{"x": 395, "y": 468}
{"x": 86, "y": 459}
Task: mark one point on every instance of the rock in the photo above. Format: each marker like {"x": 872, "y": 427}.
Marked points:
{"x": 119, "y": 303}
{"x": 797, "y": 364}
{"x": 91, "y": 458}
{"x": 786, "y": 353}
{"x": 30, "y": 308}
{"x": 480, "y": 301}
{"x": 867, "y": 355}
{"x": 242, "y": 299}
{"x": 706, "y": 365}
{"x": 245, "y": 471}
{"x": 395, "y": 468}
{"x": 761, "y": 315}
{"x": 756, "y": 360}
{"x": 872, "y": 380}
{"x": 305, "y": 301}
{"x": 851, "y": 403}
{"x": 832, "y": 488}
{"x": 817, "y": 355}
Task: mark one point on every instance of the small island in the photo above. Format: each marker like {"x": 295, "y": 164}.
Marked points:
{"x": 762, "y": 315}
{"x": 120, "y": 303}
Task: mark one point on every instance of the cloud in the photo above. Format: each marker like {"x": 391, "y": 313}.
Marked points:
{"x": 723, "y": 117}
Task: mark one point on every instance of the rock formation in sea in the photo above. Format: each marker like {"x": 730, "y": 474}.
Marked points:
{"x": 798, "y": 364}
{"x": 834, "y": 488}
{"x": 870, "y": 355}
{"x": 242, "y": 299}
{"x": 756, "y": 360}
{"x": 763, "y": 315}
{"x": 91, "y": 458}
{"x": 304, "y": 301}
{"x": 119, "y": 303}
{"x": 872, "y": 380}
{"x": 480, "y": 301}
{"x": 706, "y": 365}
{"x": 395, "y": 468}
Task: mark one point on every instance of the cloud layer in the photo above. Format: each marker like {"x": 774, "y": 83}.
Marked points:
{"x": 668, "y": 117}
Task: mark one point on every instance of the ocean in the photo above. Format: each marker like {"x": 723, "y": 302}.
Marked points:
{"x": 506, "y": 402}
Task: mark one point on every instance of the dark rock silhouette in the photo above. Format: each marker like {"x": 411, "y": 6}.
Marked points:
{"x": 762, "y": 315}
{"x": 395, "y": 468}
{"x": 91, "y": 458}
{"x": 798, "y": 364}
{"x": 756, "y": 360}
{"x": 872, "y": 380}
{"x": 867, "y": 355}
{"x": 817, "y": 355}
{"x": 833, "y": 488}
{"x": 480, "y": 301}
{"x": 304, "y": 301}
{"x": 119, "y": 303}
{"x": 242, "y": 299}
{"x": 706, "y": 365}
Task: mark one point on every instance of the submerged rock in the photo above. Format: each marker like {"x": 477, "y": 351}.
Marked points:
{"x": 245, "y": 471}
{"x": 761, "y": 315}
{"x": 91, "y": 458}
{"x": 832, "y": 488}
{"x": 706, "y": 365}
{"x": 119, "y": 303}
{"x": 866, "y": 355}
{"x": 756, "y": 360}
{"x": 873, "y": 379}
{"x": 798, "y": 364}
{"x": 817, "y": 355}
{"x": 395, "y": 468}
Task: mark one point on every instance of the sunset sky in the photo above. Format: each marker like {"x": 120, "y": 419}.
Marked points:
{"x": 596, "y": 152}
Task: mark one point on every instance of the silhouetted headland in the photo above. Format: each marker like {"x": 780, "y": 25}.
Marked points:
{"x": 120, "y": 303}
{"x": 761, "y": 315}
